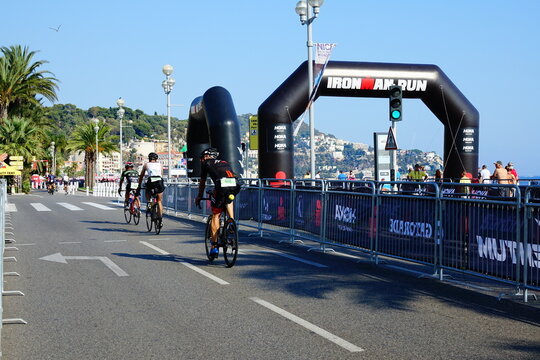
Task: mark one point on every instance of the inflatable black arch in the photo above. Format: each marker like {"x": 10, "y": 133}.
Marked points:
{"x": 213, "y": 122}
{"x": 362, "y": 79}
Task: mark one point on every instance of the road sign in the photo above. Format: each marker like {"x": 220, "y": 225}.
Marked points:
{"x": 253, "y": 132}
{"x": 391, "y": 143}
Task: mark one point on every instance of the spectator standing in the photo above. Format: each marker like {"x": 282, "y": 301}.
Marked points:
{"x": 318, "y": 175}
{"x": 351, "y": 176}
{"x": 465, "y": 180}
{"x": 500, "y": 176}
{"x": 438, "y": 176}
{"x": 307, "y": 175}
{"x": 342, "y": 176}
{"x": 485, "y": 175}
{"x": 417, "y": 174}
{"x": 510, "y": 169}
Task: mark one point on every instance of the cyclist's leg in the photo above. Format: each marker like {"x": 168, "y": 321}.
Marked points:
{"x": 159, "y": 198}
{"x": 230, "y": 210}
{"x": 126, "y": 196}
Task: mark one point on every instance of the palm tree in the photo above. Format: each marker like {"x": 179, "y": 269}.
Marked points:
{"x": 83, "y": 138}
{"x": 20, "y": 80}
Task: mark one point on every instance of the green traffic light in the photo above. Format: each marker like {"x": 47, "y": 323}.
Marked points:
{"x": 396, "y": 114}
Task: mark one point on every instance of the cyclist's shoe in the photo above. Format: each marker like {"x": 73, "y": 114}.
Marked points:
{"x": 214, "y": 252}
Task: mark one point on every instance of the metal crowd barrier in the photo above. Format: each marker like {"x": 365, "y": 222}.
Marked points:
{"x": 3, "y": 205}
{"x": 486, "y": 230}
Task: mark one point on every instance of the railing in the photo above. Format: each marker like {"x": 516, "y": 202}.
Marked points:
{"x": 3, "y": 205}
{"x": 486, "y": 230}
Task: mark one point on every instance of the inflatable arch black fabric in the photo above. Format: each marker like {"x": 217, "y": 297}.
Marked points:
{"x": 361, "y": 79}
{"x": 213, "y": 122}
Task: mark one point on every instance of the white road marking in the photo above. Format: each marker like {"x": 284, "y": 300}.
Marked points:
{"x": 58, "y": 257}
{"x": 192, "y": 267}
{"x": 99, "y": 206}
{"x": 70, "y": 206}
{"x": 311, "y": 327}
{"x": 243, "y": 251}
{"x": 11, "y": 208}
{"x": 70, "y": 242}
{"x": 112, "y": 241}
{"x": 26, "y": 244}
{"x": 40, "y": 207}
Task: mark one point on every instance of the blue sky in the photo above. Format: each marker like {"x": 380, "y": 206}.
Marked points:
{"x": 107, "y": 49}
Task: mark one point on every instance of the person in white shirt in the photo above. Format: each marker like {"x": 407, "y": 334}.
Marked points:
{"x": 154, "y": 180}
{"x": 485, "y": 175}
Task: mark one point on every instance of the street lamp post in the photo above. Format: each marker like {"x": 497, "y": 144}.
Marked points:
{"x": 96, "y": 129}
{"x": 53, "y": 162}
{"x": 168, "y": 85}
{"x": 308, "y": 12}
{"x": 120, "y": 113}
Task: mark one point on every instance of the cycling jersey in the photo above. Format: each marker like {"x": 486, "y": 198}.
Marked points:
{"x": 224, "y": 179}
{"x": 132, "y": 179}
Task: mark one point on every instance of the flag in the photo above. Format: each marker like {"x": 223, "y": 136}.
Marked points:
{"x": 323, "y": 52}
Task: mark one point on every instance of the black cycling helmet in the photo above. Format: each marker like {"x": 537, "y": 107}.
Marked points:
{"x": 129, "y": 166}
{"x": 212, "y": 152}
{"x": 153, "y": 156}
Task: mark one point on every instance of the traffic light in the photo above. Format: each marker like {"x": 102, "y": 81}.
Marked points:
{"x": 395, "y": 103}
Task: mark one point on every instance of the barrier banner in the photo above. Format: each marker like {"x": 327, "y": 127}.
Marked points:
{"x": 454, "y": 234}
{"x": 275, "y": 207}
{"x": 308, "y": 212}
{"x": 407, "y": 227}
{"x": 182, "y": 197}
{"x": 533, "y": 240}
{"x": 348, "y": 219}
{"x": 494, "y": 248}
{"x": 247, "y": 203}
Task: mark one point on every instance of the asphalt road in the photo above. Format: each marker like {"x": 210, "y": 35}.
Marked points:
{"x": 98, "y": 288}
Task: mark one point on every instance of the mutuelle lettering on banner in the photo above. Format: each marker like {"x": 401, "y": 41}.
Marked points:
{"x": 494, "y": 248}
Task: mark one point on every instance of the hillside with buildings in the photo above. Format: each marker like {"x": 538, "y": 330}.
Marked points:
{"x": 148, "y": 133}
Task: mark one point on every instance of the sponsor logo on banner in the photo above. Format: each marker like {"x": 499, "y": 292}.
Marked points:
{"x": 410, "y": 228}
{"x": 358, "y": 83}
{"x": 346, "y": 215}
{"x": 499, "y": 250}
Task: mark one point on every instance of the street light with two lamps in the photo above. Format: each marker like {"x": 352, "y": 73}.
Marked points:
{"x": 168, "y": 85}
{"x": 120, "y": 113}
{"x": 308, "y": 12}
{"x": 96, "y": 129}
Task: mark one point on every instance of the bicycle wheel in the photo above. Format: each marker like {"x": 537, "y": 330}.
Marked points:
{"x": 136, "y": 214}
{"x": 149, "y": 217}
{"x": 127, "y": 212}
{"x": 230, "y": 246}
{"x": 208, "y": 239}
{"x": 156, "y": 219}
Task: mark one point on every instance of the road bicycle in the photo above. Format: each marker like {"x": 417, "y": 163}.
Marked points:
{"x": 227, "y": 233}
{"x": 51, "y": 188}
{"x": 132, "y": 208}
{"x": 153, "y": 219}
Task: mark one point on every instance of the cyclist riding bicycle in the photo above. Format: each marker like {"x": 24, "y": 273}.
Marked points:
{"x": 154, "y": 180}
{"x": 50, "y": 181}
{"x": 131, "y": 176}
{"x": 226, "y": 183}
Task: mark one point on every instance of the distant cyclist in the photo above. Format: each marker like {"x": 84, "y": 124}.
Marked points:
{"x": 50, "y": 182}
{"x": 226, "y": 183}
{"x": 154, "y": 180}
{"x": 131, "y": 176}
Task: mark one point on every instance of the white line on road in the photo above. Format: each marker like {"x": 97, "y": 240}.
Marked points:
{"x": 192, "y": 267}
{"x": 112, "y": 241}
{"x": 70, "y": 242}
{"x": 11, "y": 208}
{"x": 25, "y": 244}
{"x": 40, "y": 207}
{"x": 243, "y": 251}
{"x": 70, "y": 206}
{"x": 58, "y": 257}
{"x": 311, "y": 327}
{"x": 99, "y": 206}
